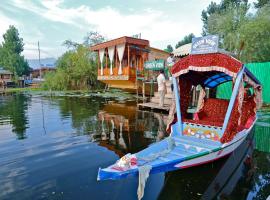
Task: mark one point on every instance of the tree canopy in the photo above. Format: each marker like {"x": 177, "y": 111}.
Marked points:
{"x": 214, "y": 8}
{"x": 77, "y": 67}
{"x": 10, "y": 53}
{"x": 169, "y": 48}
{"x": 261, "y": 3}
{"x": 242, "y": 33}
{"x": 187, "y": 39}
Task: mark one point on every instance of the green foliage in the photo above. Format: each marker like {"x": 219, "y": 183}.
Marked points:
{"x": 246, "y": 35}
{"x": 261, "y": 3}
{"x": 254, "y": 34}
{"x": 217, "y": 9}
{"x": 227, "y": 25}
{"x": 169, "y": 48}
{"x": 187, "y": 39}
{"x": 10, "y": 53}
{"x": 75, "y": 70}
{"x": 90, "y": 39}
{"x": 93, "y": 38}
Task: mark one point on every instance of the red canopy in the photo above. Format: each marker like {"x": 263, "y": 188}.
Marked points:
{"x": 207, "y": 62}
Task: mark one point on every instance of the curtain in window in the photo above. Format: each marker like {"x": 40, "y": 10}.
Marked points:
{"x": 111, "y": 55}
{"x": 120, "y": 50}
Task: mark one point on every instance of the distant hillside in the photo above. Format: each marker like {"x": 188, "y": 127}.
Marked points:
{"x": 45, "y": 62}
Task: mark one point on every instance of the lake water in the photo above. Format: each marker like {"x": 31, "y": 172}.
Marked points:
{"x": 52, "y": 147}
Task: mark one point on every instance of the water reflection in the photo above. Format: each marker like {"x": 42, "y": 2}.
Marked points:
{"x": 13, "y": 108}
{"x": 85, "y": 133}
{"x": 125, "y": 129}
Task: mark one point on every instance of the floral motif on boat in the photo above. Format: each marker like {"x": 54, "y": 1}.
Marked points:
{"x": 201, "y": 133}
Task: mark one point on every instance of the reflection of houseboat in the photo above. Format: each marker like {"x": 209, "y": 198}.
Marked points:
{"x": 125, "y": 129}
{"x": 121, "y": 61}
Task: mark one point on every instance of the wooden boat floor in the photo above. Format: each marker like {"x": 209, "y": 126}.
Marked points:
{"x": 185, "y": 146}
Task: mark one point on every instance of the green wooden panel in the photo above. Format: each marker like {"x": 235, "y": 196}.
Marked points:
{"x": 262, "y": 73}
{"x": 224, "y": 91}
{"x": 262, "y": 138}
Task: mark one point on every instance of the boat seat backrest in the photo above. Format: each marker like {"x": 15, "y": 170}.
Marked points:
{"x": 214, "y": 110}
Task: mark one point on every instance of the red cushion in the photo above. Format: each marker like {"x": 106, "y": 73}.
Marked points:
{"x": 212, "y": 113}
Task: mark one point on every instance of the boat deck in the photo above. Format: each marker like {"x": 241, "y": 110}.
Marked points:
{"x": 185, "y": 146}
{"x": 161, "y": 158}
{"x": 154, "y": 106}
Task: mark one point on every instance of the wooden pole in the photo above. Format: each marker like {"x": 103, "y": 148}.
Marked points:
{"x": 143, "y": 91}
{"x": 136, "y": 70}
{"x": 128, "y": 56}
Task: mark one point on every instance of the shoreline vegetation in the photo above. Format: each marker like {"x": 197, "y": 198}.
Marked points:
{"x": 110, "y": 93}
{"x": 117, "y": 94}
{"x": 77, "y": 68}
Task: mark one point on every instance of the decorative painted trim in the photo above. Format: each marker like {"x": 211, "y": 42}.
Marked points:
{"x": 119, "y": 77}
{"x": 205, "y": 69}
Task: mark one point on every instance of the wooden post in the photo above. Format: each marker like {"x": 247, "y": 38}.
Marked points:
{"x": 136, "y": 75}
{"x": 143, "y": 91}
{"x": 128, "y": 57}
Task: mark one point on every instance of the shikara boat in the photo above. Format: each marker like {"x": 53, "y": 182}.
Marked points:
{"x": 215, "y": 130}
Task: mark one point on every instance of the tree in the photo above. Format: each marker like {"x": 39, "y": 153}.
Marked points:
{"x": 93, "y": 38}
{"x": 169, "y": 48}
{"x": 10, "y": 53}
{"x": 70, "y": 44}
{"x": 261, "y": 3}
{"x": 76, "y": 68}
{"x": 227, "y": 25}
{"x": 214, "y": 8}
{"x": 255, "y": 37}
{"x": 245, "y": 35}
{"x": 187, "y": 39}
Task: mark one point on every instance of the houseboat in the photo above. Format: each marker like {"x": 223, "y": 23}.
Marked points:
{"x": 122, "y": 62}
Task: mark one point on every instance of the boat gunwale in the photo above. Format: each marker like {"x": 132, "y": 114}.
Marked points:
{"x": 171, "y": 164}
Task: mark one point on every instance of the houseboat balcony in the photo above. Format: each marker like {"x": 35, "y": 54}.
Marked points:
{"x": 128, "y": 73}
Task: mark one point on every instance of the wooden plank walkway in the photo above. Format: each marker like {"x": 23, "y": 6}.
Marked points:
{"x": 154, "y": 106}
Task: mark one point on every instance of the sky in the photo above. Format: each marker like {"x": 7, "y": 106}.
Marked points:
{"x": 51, "y": 22}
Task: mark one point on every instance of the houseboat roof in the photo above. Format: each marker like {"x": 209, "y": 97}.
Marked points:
{"x": 3, "y": 71}
{"x": 121, "y": 40}
{"x": 158, "y": 50}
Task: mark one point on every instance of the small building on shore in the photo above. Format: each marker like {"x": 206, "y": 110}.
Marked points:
{"x": 122, "y": 61}
{"x": 5, "y": 77}
{"x": 41, "y": 72}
